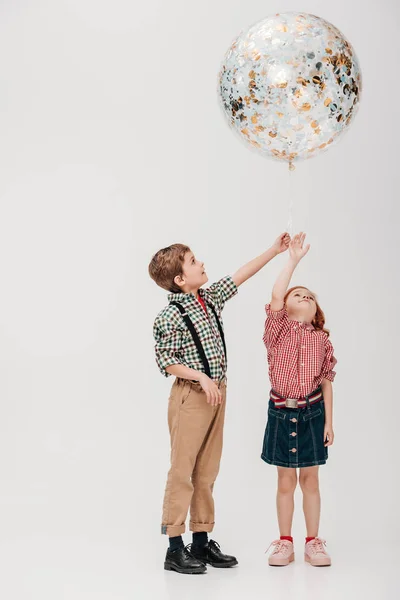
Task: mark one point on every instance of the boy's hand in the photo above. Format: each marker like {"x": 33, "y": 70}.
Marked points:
{"x": 281, "y": 243}
{"x": 211, "y": 389}
{"x": 296, "y": 249}
{"x": 329, "y": 436}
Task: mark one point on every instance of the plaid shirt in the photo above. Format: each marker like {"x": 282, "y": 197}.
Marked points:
{"x": 299, "y": 355}
{"x": 174, "y": 343}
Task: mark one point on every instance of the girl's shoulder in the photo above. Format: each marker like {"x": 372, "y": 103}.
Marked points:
{"x": 324, "y": 337}
{"x": 321, "y": 333}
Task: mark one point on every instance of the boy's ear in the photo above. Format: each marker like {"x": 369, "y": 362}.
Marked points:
{"x": 179, "y": 281}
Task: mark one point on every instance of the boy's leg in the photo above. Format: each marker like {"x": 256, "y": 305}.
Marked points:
{"x": 189, "y": 419}
{"x": 202, "y": 505}
{"x": 206, "y": 470}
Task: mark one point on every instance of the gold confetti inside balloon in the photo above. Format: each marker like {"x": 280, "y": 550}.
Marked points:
{"x": 290, "y": 86}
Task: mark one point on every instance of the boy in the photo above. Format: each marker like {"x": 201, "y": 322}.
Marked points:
{"x": 190, "y": 345}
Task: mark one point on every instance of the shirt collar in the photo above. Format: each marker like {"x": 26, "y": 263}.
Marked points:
{"x": 182, "y": 298}
{"x": 300, "y": 325}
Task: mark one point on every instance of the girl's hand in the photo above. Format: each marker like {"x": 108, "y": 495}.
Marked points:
{"x": 281, "y": 244}
{"x": 329, "y": 436}
{"x": 296, "y": 247}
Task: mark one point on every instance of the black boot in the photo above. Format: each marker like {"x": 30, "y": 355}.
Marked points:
{"x": 211, "y": 554}
{"x": 183, "y": 561}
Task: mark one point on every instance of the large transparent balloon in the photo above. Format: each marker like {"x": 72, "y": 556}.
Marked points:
{"x": 290, "y": 86}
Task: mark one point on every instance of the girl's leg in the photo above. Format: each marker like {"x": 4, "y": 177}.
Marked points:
{"x": 287, "y": 481}
{"x": 309, "y": 484}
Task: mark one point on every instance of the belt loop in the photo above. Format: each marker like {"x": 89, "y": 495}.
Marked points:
{"x": 308, "y": 403}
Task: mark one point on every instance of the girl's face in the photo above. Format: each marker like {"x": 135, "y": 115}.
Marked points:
{"x": 301, "y": 305}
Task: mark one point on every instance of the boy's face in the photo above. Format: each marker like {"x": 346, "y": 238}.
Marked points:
{"x": 193, "y": 274}
{"x": 301, "y": 305}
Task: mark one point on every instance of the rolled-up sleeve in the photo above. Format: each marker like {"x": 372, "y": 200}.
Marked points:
{"x": 168, "y": 340}
{"x": 276, "y": 326}
{"x": 221, "y": 291}
{"x": 329, "y": 363}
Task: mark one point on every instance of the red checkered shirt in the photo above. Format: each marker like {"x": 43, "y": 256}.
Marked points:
{"x": 299, "y": 356}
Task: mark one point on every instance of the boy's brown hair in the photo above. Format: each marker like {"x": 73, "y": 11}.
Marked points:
{"x": 166, "y": 264}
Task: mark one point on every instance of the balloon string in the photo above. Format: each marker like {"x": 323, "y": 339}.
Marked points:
{"x": 291, "y": 203}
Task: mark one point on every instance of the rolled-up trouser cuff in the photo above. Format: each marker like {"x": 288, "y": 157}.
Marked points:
{"x": 198, "y": 527}
{"x": 172, "y": 530}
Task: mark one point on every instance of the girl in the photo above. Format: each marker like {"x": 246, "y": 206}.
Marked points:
{"x": 299, "y": 428}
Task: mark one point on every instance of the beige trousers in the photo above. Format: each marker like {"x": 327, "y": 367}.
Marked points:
{"x": 196, "y": 430}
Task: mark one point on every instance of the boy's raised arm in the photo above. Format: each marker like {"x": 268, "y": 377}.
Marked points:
{"x": 251, "y": 268}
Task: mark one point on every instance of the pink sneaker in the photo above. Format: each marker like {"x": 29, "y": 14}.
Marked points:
{"x": 315, "y": 553}
{"x": 283, "y": 553}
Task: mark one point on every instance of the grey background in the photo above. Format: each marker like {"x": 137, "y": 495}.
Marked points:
{"x": 112, "y": 145}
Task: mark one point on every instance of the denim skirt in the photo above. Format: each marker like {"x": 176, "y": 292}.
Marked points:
{"x": 294, "y": 437}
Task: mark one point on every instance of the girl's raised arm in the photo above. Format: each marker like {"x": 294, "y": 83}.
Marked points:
{"x": 296, "y": 252}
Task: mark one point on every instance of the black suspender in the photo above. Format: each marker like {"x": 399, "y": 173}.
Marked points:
{"x": 196, "y": 338}
{"x": 221, "y": 331}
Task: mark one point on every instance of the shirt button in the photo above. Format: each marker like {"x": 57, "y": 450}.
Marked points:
{"x": 294, "y": 420}
{"x": 303, "y": 347}
{"x": 302, "y": 384}
{"x": 294, "y": 450}
{"x": 302, "y": 364}
{"x": 293, "y": 434}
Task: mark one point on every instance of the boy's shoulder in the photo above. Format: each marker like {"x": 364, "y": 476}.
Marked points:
{"x": 168, "y": 317}
{"x": 223, "y": 288}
